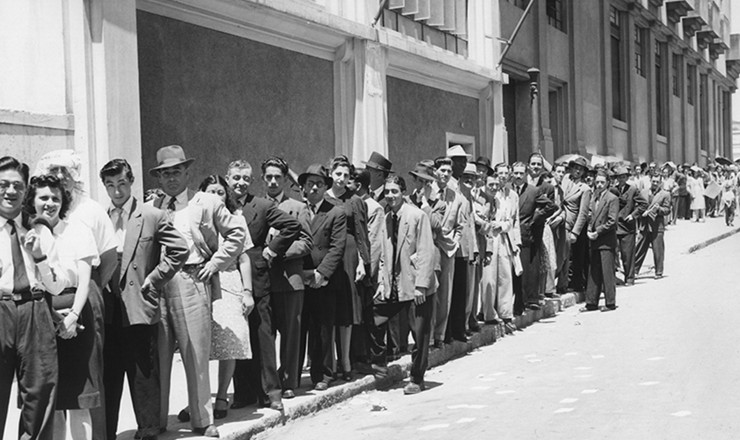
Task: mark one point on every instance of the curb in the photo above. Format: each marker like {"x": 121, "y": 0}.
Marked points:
{"x": 711, "y": 241}
{"x": 399, "y": 370}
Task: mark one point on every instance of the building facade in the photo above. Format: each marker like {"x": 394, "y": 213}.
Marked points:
{"x": 643, "y": 80}
{"x": 228, "y": 79}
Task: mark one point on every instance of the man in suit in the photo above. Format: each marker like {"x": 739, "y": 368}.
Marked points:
{"x": 448, "y": 242}
{"x": 535, "y": 206}
{"x": 576, "y": 203}
{"x": 379, "y": 168}
{"x": 27, "y": 334}
{"x": 631, "y": 206}
{"x": 186, "y": 304}
{"x": 150, "y": 252}
{"x": 257, "y": 379}
{"x": 602, "y": 232}
{"x": 286, "y": 277}
{"x": 406, "y": 280}
{"x": 322, "y": 271}
{"x": 658, "y": 206}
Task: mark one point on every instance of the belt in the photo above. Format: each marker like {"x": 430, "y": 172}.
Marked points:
{"x": 23, "y": 296}
{"x": 191, "y": 268}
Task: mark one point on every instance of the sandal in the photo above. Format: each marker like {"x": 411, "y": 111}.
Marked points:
{"x": 220, "y": 413}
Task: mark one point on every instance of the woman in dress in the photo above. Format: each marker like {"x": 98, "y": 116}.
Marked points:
{"x": 350, "y": 306}
{"x": 70, "y": 251}
{"x": 230, "y": 329}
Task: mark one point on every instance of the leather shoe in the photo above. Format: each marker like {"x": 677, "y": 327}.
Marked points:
{"x": 208, "y": 431}
{"x": 184, "y": 415}
{"x": 321, "y": 386}
{"x": 589, "y": 308}
{"x": 509, "y": 327}
{"x": 288, "y": 394}
{"x": 137, "y": 434}
{"x": 374, "y": 369}
{"x": 277, "y": 405}
{"x": 413, "y": 388}
{"x": 438, "y": 344}
{"x": 610, "y": 308}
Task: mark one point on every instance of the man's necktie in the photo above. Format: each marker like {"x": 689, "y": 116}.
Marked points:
{"x": 171, "y": 208}
{"x": 311, "y": 211}
{"x": 394, "y": 241}
{"x": 20, "y": 277}
{"x": 117, "y": 218}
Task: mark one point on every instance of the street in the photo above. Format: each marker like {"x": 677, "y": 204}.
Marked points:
{"x": 664, "y": 365}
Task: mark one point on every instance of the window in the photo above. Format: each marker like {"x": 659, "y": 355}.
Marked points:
{"x": 690, "y": 84}
{"x": 659, "y": 90}
{"x": 703, "y": 112}
{"x": 519, "y": 3}
{"x": 676, "y": 74}
{"x": 554, "y": 10}
{"x": 450, "y": 35}
{"x": 640, "y": 51}
{"x": 618, "y": 100}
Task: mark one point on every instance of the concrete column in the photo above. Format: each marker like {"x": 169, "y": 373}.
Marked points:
{"x": 493, "y": 136}
{"x": 360, "y": 104}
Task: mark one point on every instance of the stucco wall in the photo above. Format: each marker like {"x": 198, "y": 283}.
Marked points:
{"x": 675, "y": 141}
{"x": 418, "y": 118}
{"x": 642, "y": 119}
{"x": 223, "y": 97}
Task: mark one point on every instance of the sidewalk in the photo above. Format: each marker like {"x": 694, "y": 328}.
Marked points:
{"x": 684, "y": 238}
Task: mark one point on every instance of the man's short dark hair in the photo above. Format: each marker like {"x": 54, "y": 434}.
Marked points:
{"x": 277, "y": 162}
{"x": 116, "y": 167}
{"x": 396, "y": 180}
{"x": 536, "y": 154}
{"x": 438, "y": 162}
{"x": 362, "y": 178}
{"x": 519, "y": 165}
{"x": 11, "y": 163}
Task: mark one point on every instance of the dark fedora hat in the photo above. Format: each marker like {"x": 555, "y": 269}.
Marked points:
{"x": 315, "y": 170}
{"x": 379, "y": 162}
{"x": 485, "y": 162}
{"x": 580, "y": 161}
{"x": 424, "y": 170}
{"x": 170, "y": 156}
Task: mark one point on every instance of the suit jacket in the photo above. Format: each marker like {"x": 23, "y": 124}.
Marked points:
{"x": 329, "y": 231}
{"x": 535, "y": 206}
{"x": 603, "y": 220}
{"x": 659, "y": 205}
{"x": 209, "y": 219}
{"x": 631, "y": 203}
{"x": 448, "y": 240}
{"x": 576, "y": 202}
{"x": 413, "y": 257}
{"x": 468, "y": 247}
{"x": 375, "y": 228}
{"x": 152, "y": 248}
{"x": 286, "y": 272}
{"x": 261, "y": 215}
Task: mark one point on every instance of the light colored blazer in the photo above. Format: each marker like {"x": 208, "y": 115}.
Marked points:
{"x": 375, "y": 226}
{"x": 414, "y": 254}
{"x": 576, "y": 203}
{"x": 448, "y": 240}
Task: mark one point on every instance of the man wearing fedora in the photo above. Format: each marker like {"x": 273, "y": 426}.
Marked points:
{"x": 653, "y": 227}
{"x": 186, "y": 299}
{"x": 631, "y": 206}
{"x": 322, "y": 271}
{"x": 576, "y": 203}
{"x": 459, "y": 158}
{"x": 379, "y": 168}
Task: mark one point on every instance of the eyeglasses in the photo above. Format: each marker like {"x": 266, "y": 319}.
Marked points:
{"x": 17, "y": 186}
{"x": 317, "y": 183}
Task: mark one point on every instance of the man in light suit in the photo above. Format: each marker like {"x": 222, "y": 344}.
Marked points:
{"x": 659, "y": 205}
{"x": 286, "y": 277}
{"x": 186, "y": 304}
{"x": 631, "y": 206}
{"x": 447, "y": 241}
{"x": 406, "y": 280}
{"x": 602, "y": 232}
{"x": 257, "y": 379}
{"x": 151, "y": 251}
{"x": 576, "y": 203}
{"x": 322, "y": 271}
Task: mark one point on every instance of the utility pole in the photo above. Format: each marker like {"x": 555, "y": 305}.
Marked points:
{"x": 534, "y": 95}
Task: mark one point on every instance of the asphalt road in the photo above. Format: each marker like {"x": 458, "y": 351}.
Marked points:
{"x": 665, "y": 365}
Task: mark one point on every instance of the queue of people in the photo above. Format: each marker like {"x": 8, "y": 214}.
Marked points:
{"x": 343, "y": 263}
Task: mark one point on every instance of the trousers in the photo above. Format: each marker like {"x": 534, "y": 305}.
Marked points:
{"x": 601, "y": 277}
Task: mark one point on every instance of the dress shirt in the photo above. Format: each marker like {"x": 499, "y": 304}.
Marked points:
{"x": 6, "y": 256}
{"x": 377, "y": 192}
{"x": 277, "y": 199}
{"x": 123, "y": 214}
{"x": 181, "y": 220}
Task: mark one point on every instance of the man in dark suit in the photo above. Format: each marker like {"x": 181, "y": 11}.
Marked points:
{"x": 257, "y": 379}
{"x": 631, "y": 206}
{"x": 659, "y": 205}
{"x": 602, "y": 232}
{"x": 535, "y": 206}
{"x": 286, "y": 277}
{"x": 132, "y": 299}
{"x": 322, "y": 271}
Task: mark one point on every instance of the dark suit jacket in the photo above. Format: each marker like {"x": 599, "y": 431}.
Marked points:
{"x": 631, "y": 202}
{"x": 261, "y": 215}
{"x": 329, "y": 231}
{"x": 659, "y": 205}
{"x": 147, "y": 232}
{"x": 536, "y": 204}
{"x": 603, "y": 219}
{"x": 286, "y": 272}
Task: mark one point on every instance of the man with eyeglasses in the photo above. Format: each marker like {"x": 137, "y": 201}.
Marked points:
{"x": 256, "y": 380}
{"x": 27, "y": 334}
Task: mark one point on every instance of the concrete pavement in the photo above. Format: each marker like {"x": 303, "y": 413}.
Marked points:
{"x": 249, "y": 421}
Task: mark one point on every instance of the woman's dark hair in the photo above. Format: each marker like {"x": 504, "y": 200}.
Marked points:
{"x": 46, "y": 181}
{"x": 216, "y": 179}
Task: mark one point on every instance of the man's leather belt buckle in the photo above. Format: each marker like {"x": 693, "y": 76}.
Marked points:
{"x": 22, "y": 296}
